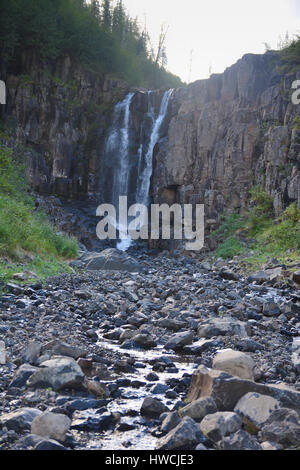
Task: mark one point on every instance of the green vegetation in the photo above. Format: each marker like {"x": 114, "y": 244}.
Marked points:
{"x": 27, "y": 239}
{"x": 101, "y": 37}
{"x": 290, "y": 57}
{"x": 258, "y": 231}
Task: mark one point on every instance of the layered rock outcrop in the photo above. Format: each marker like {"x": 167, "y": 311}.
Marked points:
{"x": 229, "y": 133}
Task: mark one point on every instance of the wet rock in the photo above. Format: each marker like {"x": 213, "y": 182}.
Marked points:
{"x": 179, "y": 340}
{"x": 158, "y": 389}
{"x": 186, "y": 435}
{"x": 19, "y": 420}
{"x": 218, "y": 425}
{"x": 198, "y": 409}
{"x": 52, "y": 425}
{"x": 152, "y": 377}
{"x": 240, "y": 440}
{"x": 152, "y": 407}
{"x": 282, "y": 427}
{"x": 110, "y": 260}
{"x": 201, "y": 346}
{"x": 254, "y": 410}
{"x": 235, "y": 363}
{"x": 59, "y": 373}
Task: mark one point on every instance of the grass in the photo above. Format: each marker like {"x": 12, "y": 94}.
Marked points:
{"x": 259, "y": 231}
{"x": 27, "y": 240}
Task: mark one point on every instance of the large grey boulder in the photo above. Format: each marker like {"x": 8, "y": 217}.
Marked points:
{"x": 19, "y": 420}
{"x": 222, "y": 327}
{"x": 152, "y": 407}
{"x": 179, "y": 340}
{"x": 58, "y": 373}
{"x": 255, "y": 409}
{"x": 186, "y": 435}
{"x": 235, "y": 363}
{"x": 198, "y": 409}
{"x": 282, "y": 427}
{"x": 110, "y": 259}
{"x": 227, "y": 390}
{"x": 52, "y": 425}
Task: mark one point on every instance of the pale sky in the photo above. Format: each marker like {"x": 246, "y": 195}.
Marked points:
{"x": 219, "y": 31}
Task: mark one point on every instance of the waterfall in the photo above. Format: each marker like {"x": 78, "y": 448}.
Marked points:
{"x": 123, "y": 162}
{"x": 144, "y": 178}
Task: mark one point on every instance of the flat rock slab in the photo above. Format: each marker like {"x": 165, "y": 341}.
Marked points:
{"x": 110, "y": 260}
{"x": 227, "y": 390}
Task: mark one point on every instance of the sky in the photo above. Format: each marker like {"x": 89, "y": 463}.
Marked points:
{"x": 207, "y": 36}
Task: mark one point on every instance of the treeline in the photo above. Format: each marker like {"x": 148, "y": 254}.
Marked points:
{"x": 99, "y": 34}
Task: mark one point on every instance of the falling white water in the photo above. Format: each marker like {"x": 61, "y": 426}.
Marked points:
{"x": 142, "y": 196}
{"x": 118, "y": 147}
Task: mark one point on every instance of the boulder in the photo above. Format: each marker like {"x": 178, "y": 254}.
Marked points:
{"x": 110, "y": 259}
{"x": 296, "y": 277}
{"x": 282, "y": 427}
{"x": 179, "y": 340}
{"x": 170, "y": 422}
{"x": 198, "y": 409}
{"x": 63, "y": 349}
{"x": 186, "y": 435}
{"x": 144, "y": 341}
{"x": 19, "y": 420}
{"x": 152, "y": 407}
{"x": 255, "y": 409}
{"x": 218, "y": 425}
{"x": 222, "y": 327}
{"x": 22, "y": 375}
{"x": 235, "y": 363}
{"x": 58, "y": 373}
{"x": 52, "y": 425}
{"x": 227, "y": 390}
{"x": 240, "y": 440}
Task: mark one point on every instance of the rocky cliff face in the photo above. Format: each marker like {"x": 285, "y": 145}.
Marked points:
{"x": 227, "y": 134}
{"x": 221, "y": 136}
{"x": 61, "y": 113}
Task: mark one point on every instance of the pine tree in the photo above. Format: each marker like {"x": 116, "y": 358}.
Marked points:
{"x": 106, "y": 14}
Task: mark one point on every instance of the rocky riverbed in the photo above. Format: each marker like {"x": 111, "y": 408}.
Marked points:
{"x": 167, "y": 353}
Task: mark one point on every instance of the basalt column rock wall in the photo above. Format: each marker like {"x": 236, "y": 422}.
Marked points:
{"x": 60, "y": 113}
{"x": 227, "y": 134}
